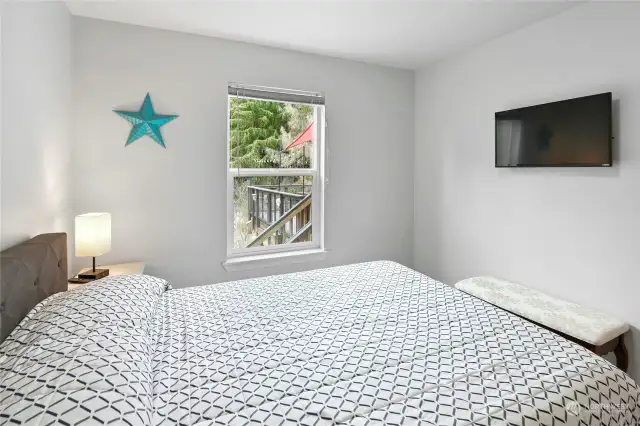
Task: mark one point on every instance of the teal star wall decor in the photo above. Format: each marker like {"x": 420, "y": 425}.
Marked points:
{"x": 145, "y": 122}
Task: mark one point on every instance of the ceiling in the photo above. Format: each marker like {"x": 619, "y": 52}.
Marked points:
{"x": 400, "y": 33}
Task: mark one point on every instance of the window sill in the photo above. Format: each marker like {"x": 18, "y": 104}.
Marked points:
{"x": 246, "y": 263}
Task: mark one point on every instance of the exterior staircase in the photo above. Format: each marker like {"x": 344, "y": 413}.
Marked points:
{"x": 280, "y": 217}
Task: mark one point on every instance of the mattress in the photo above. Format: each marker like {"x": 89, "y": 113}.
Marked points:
{"x": 369, "y": 343}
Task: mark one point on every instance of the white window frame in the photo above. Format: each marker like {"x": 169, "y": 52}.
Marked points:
{"x": 317, "y": 172}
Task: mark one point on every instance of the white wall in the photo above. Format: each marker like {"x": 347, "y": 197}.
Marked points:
{"x": 36, "y": 148}
{"x": 168, "y": 206}
{"x": 571, "y": 232}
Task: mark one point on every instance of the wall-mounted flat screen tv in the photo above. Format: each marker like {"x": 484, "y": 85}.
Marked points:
{"x": 571, "y": 133}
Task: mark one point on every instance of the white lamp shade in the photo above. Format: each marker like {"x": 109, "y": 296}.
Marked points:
{"x": 93, "y": 234}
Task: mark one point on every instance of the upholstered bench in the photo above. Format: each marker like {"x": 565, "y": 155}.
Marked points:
{"x": 596, "y": 331}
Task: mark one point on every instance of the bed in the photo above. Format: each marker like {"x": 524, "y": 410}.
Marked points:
{"x": 368, "y": 343}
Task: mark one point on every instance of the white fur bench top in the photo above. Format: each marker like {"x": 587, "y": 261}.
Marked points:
{"x": 569, "y": 318}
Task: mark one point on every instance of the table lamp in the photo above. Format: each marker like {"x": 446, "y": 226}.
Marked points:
{"x": 93, "y": 238}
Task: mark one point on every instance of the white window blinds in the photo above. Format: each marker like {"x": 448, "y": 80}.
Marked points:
{"x": 274, "y": 94}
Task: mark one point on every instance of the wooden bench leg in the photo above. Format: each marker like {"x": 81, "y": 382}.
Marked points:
{"x": 622, "y": 355}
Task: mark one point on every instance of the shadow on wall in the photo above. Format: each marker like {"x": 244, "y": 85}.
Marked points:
{"x": 12, "y": 240}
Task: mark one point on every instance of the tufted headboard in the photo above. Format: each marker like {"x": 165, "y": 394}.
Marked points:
{"x": 29, "y": 273}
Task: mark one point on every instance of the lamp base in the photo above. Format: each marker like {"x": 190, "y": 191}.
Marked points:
{"x": 93, "y": 275}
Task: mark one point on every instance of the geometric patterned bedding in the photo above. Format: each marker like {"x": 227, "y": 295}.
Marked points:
{"x": 370, "y": 343}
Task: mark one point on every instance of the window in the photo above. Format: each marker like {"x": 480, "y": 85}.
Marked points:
{"x": 274, "y": 170}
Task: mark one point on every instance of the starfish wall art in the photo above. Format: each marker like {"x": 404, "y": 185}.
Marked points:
{"x": 145, "y": 122}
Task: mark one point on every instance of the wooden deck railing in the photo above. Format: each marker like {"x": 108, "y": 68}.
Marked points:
{"x": 286, "y": 215}
{"x": 266, "y": 205}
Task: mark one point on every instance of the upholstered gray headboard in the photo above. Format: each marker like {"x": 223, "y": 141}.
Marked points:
{"x": 29, "y": 273}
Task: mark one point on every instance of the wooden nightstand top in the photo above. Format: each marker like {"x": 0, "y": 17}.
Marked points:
{"x": 132, "y": 268}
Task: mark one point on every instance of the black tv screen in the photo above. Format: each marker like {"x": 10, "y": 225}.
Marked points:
{"x": 575, "y": 132}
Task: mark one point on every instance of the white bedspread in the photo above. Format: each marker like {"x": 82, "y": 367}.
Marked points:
{"x": 371, "y": 343}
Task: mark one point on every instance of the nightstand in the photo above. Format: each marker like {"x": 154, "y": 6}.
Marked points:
{"x": 119, "y": 269}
